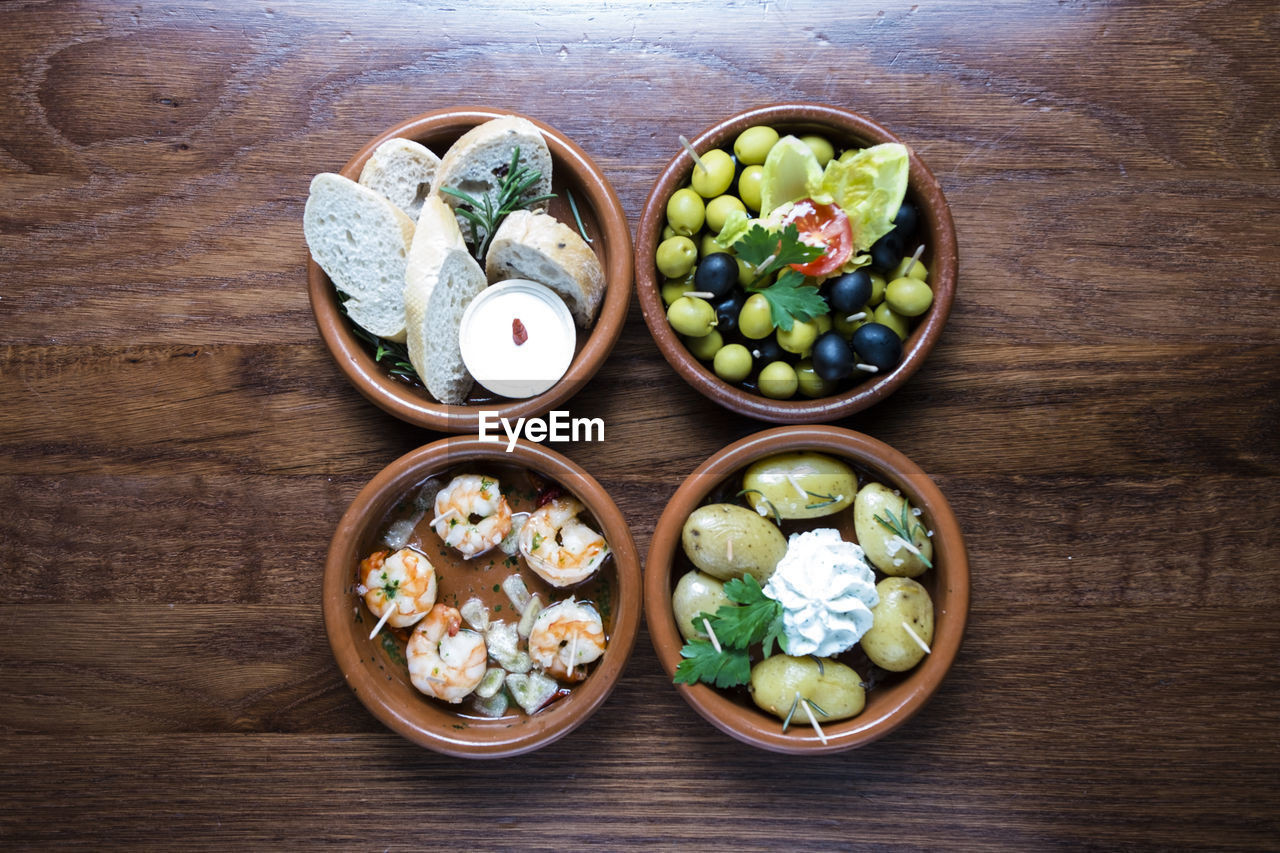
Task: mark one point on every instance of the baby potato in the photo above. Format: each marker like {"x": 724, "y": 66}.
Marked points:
{"x": 800, "y": 484}
{"x": 830, "y": 685}
{"x": 887, "y": 643}
{"x": 696, "y": 592}
{"x": 885, "y": 549}
{"x": 728, "y": 541}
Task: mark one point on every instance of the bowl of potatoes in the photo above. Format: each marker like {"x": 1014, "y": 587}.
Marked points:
{"x": 807, "y": 589}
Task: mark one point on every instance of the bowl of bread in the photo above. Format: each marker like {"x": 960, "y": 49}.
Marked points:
{"x": 439, "y": 211}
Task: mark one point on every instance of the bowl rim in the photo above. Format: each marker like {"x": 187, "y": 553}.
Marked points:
{"x": 951, "y": 604}
{"x": 944, "y": 270}
{"x": 414, "y": 406}
{"x": 479, "y": 739}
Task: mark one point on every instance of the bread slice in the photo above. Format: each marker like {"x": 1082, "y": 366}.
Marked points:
{"x": 362, "y": 241}
{"x": 440, "y": 281}
{"x": 402, "y": 170}
{"x": 481, "y": 158}
{"x": 541, "y": 248}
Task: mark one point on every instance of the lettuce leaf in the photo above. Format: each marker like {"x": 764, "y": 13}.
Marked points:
{"x": 869, "y": 185}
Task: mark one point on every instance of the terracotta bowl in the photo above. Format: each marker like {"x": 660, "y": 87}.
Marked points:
{"x": 376, "y": 670}
{"x": 845, "y": 129}
{"x": 889, "y": 703}
{"x": 604, "y": 222}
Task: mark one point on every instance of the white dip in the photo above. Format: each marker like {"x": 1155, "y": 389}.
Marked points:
{"x": 826, "y": 590}
{"x": 489, "y": 347}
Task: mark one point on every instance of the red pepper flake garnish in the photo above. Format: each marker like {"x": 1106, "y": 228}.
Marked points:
{"x": 547, "y": 494}
{"x": 519, "y": 333}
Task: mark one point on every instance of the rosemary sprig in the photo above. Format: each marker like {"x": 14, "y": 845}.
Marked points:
{"x": 573, "y": 206}
{"x": 777, "y": 516}
{"x": 905, "y": 528}
{"x": 487, "y": 212}
{"x": 397, "y": 355}
{"x": 823, "y": 500}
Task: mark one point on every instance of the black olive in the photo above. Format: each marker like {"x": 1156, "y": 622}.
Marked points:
{"x": 717, "y": 274}
{"x": 877, "y": 344}
{"x": 848, "y": 293}
{"x": 832, "y": 357}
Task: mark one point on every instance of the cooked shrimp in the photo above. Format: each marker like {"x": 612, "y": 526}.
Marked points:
{"x": 399, "y": 589}
{"x": 471, "y": 514}
{"x": 565, "y": 636}
{"x": 559, "y": 547}
{"x": 446, "y": 660}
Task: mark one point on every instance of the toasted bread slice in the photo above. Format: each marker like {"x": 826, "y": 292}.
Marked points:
{"x": 440, "y": 281}
{"x": 541, "y": 248}
{"x": 362, "y": 241}
{"x": 402, "y": 170}
{"x": 477, "y": 163}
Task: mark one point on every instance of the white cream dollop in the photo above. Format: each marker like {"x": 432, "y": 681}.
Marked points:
{"x": 826, "y": 590}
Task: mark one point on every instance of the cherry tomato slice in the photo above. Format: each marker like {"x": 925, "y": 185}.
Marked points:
{"x": 822, "y": 225}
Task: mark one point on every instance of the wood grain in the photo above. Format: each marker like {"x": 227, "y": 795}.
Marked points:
{"x": 1101, "y": 412}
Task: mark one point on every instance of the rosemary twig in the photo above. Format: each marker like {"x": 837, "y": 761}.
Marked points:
{"x": 573, "y": 205}
{"x": 763, "y": 502}
{"x": 486, "y": 213}
{"x": 905, "y": 528}
{"x": 396, "y": 355}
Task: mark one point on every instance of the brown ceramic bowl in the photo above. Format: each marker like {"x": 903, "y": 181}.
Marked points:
{"x": 889, "y": 703}
{"x": 605, "y": 224}
{"x": 845, "y": 130}
{"x": 375, "y": 669}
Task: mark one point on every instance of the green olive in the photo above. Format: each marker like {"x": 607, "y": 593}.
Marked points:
{"x": 746, "y": 273}
{"x": 749, "y": 184}
{"x": 877, "y": 289}
{"x": 714, "y": 175}
{"x": 820, "y": 147}
{"x": 777, "y": 380}
{"x": 668, "y": 232}
{"x": 847, "y": 327}
{"x": 799, "y": 338}
{"x": 705, "y": 347}
{"x": 719, "y": 208}
{"x": 823, "y": 322}
{"x": 675, "y": 257}
{"x": 753, "y": 144}
{"x": 755, "y": 320}
{"x": 733, "y": 363}
{"x": 885, "y": 315}
{"x": 674, "y": 288}
{"x": 686, "y": 212}
{"x": 692, "y": 316}
{"x": 917, "y": 270}
{"x": 811, "y": 384}
{"x": 908, "y": 296}
{"x": 707, "y": 244}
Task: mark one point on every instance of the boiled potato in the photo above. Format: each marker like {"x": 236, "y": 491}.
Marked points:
{"x": 696, "y": 593}
{"x": 830, "y": 685}
{"x": 802, "y": 484}
{"x": 729, "y": 541}
{"x": 887, "y": 643}
{"x": 884, "y": 548}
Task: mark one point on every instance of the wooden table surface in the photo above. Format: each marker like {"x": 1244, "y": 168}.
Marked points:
{"x": 1101, "y": 411}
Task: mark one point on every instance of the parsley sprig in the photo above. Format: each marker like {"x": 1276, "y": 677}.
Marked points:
{"x": 486, "y": 213}
{"x": 753, "y": 618}
{"x": 768, "y": 252}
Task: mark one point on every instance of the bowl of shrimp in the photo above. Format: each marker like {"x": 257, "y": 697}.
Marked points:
{"x": 479, "y": 602}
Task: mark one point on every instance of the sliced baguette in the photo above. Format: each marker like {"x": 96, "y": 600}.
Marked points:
{"x": 541, "y": 248}
{"x": 362, "y": 241}
{"x": 481, "y": 158}
{"x": 402, "y": 170}
{"x": 440, "y": 281}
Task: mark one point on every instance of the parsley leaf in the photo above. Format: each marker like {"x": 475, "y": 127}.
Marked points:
{"x": 790, "y": 299}
{"x": 769, "y": 251}
{"x": 753, "y": 618}
{"x": 702, "y": 662}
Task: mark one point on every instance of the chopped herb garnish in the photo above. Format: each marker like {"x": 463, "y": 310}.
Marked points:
{"x": 537, "y": 541}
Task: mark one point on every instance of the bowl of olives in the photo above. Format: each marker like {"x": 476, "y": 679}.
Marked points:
{"x": 796, "y": 263}
{"x": 806, "y": 589}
